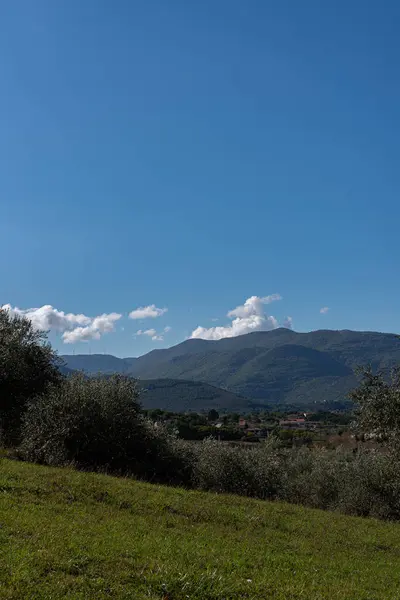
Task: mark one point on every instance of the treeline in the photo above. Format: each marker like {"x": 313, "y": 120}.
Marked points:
{"x": 97, "y": 424}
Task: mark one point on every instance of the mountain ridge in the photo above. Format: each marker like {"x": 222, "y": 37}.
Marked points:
{"x": 279, "y": 366}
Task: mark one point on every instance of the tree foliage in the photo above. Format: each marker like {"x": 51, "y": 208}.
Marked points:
{"x": 97, "y": 423}
{"x": 378, "y": 405}
{"x": 28, "y": 365}
{"x": 213, "y": 415}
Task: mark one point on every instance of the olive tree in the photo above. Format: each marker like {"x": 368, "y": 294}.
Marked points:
{"x": 377, "y": 401}
{"x": 97, "y": 423}
{"x": 28, "y": 365}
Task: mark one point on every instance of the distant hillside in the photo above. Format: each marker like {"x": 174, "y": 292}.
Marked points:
{"x": 95, "y": 363}
{"x": 177, "y": 395}
{"x": 275, "y": 367}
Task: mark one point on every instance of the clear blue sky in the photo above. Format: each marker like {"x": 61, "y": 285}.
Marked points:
{"x": 194, "y": 154}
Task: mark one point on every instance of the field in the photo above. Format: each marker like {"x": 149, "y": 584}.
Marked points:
{"x": 68, "y": 534}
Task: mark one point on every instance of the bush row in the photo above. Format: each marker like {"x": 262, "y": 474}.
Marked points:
{"x": 364, "y": 484}
{"x": 98, "y": 424}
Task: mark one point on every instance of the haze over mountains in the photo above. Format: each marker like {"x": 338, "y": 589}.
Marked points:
{"x": 275, "y": 367}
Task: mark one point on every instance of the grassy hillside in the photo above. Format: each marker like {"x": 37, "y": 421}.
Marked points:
{"x": 273, "y": 367}
{"x": 179, "y": 395}
{"x": 66, "y": 534}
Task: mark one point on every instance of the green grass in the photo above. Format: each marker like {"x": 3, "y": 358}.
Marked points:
{"x": 68, "y": 534}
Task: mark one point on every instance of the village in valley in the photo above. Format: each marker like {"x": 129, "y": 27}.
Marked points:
{"x": 290, "y": 428}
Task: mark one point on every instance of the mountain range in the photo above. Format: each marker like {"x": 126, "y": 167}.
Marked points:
{"x": 279, "y": 367}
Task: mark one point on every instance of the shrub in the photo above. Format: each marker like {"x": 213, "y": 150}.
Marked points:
{"x": 312, "y": 477}
{"x": 96, "y": 423}
{"x": 365, "y": 484}
{"x": 248, "y": 472}
{"x": 370, "y": 485}
{"x": 171, "y": 458}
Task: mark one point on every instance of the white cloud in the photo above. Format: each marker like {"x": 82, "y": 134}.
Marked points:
{"x": 47, "y": 317}
{"x": 248, "y": 317}
{"x": 167, "y": 329}
{"x": 253, "y": 306}
{"x": 104, "y": 323}
{"x": 146, "y": 312}
{"x": 149, "y": 332}
{"x": 288, "y": 323}
{"x": 74, "y": 327}
{"x": 156, "y": 337}
{"x": 324, "y": 310}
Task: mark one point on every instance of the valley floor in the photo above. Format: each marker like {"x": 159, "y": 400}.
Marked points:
{"x": 68, "y": 534}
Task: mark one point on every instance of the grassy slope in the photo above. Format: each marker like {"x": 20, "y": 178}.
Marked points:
{"x": 65, "y": 534}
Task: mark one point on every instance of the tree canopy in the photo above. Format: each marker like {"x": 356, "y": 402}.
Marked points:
{"x": 377, "y": 402}
{"x": 28, "y": 365}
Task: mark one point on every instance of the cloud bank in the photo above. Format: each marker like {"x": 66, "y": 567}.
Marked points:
{"x": 74, "y": 327}
{"x": 246, "y": 318}
{"x": 324, "y": 310}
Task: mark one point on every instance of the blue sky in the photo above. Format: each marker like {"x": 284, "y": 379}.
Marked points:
{"x": 192, "y": 155}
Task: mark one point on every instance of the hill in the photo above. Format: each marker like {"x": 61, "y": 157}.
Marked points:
{"x": 95, "y": 363}
{"x": 69, "y": 534}
{"x": 275, "y": 367}
{"x": 178, "y": 395}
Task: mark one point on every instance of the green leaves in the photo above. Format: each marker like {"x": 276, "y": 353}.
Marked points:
{"x": 97, "y": 423}
{"x": 28, "y": 365}
{"x": 378, "y": 405}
